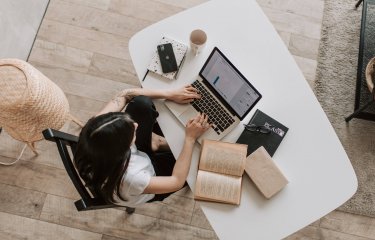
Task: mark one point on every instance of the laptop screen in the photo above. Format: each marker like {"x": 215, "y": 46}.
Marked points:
{"x": 229, "y": 83}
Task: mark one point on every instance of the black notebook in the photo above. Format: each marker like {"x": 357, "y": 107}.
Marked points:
{"x": 270, "y": 141}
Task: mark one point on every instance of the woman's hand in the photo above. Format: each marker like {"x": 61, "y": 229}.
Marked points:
{"x": 183, "y": 95}
{"x": 164, "y": 184}
{"x": 119, "y": 101}
{"x": 127, "y": 94}
{"x": 196, "y": 126}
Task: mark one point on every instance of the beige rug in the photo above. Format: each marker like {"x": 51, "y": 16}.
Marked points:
{"x": 335, "y": 89}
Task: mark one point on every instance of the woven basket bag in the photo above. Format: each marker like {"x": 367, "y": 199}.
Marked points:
{"x": 29, "y": 102}
{"x": 370, "y": 74}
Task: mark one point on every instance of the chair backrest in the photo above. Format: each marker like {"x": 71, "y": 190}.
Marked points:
{"x": 90, "y": 200}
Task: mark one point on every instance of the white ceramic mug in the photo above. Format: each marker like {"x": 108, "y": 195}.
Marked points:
{"x": 198, "y": 39}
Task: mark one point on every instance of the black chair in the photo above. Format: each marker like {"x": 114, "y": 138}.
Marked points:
{"x": 358, "y": 3}
{"x": 90, "y": 200}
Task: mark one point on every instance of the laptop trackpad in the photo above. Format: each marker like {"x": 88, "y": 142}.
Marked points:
{"x": 188, "y": 114}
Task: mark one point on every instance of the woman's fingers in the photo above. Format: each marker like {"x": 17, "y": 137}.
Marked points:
{"x": 203, "y": 119}
{"x": 206, "y": 124}
{"x": 191, "y": 95}
{"x": 204, "y": 116}
{"x": 200, "y": 120}
{"x": 192, "y": 92}
{"x": 191, "y": 88}
{"x": 190, "y": 122}
{"x": 186, "y": 94}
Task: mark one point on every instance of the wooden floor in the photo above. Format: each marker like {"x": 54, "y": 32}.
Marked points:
{"x": 82, "y": 45}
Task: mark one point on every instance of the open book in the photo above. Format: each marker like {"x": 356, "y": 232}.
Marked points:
{"x": 221, "y": 166}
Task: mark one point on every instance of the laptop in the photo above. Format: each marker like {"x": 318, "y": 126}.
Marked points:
{"x": 226, "y": 97}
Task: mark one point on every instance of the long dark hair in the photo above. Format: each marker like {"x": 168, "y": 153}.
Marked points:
{"x": 103, "y": 153}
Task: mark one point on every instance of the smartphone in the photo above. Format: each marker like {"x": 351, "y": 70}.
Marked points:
{"x": 167, "y": 58}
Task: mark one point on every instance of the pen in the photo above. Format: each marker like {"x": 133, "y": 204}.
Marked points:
{"x": 145, "y": 75}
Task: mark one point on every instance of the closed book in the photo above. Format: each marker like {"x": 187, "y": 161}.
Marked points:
{"x": 263, "y": 171}
{"x": 270, "y": 141}
{"x": 179, "y": 50}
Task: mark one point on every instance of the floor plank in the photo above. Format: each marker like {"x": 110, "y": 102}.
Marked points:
{"x": 285, "y": 36}
{"x": 20, "y": 201}
{"x": 106, "y": 237}
{"x": 199, "y": 219}
{"x": 11, "y": 148}
{"x": 60, "y": 55}
{"x": 100, "y": 4}
{"x": 307, "y": 8}
{"x": 307, "y": 233}
{"x": 307, "y": 67}
{"x": 148, "y": 10}
{"x": 47, "y": 152}
{"x": 185, "y": 192}
{"x": 84, "y": 39}
{"x": 303, "y": 47}
{"x": 117, "y": 223}
{"x": 79, "y": 84}
{"x": 116, "y": 69}
{"x": 178, "y": 209}
{"x": 357, "y": 225}
{"x": 293, "y": 23}
{"x": 333, "y": 235}
{"x": 94, "y": 19}
{"x": 175, "y": 208}
{"x": 13, "y": 227}
{"x": 38, "y": 177}
{"x": 182, "y": 4}
{"x": 79, "y": 103}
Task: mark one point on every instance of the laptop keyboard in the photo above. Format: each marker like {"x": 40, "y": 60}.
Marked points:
{"x": 207, "y": 104}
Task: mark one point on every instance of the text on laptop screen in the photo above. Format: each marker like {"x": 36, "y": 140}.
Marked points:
{"x": 229, "y": 84}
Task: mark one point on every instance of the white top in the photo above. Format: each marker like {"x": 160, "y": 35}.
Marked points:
{"x": 136, "y": 178}
{"x": 311, "y": 157}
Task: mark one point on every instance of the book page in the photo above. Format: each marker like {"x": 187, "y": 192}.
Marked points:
{"x": 217, "y": 187}
{"x": 222, "y": 157}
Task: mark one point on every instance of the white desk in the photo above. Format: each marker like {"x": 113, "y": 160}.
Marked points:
{"x": 311, "y": 155}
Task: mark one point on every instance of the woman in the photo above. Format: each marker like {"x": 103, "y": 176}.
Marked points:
{"x": 117, "y": 152}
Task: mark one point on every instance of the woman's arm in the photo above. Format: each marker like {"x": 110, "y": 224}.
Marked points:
{"x": 118, "y": 102}
{"x": 194, "y": 128}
